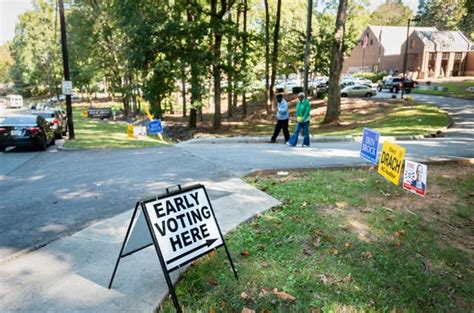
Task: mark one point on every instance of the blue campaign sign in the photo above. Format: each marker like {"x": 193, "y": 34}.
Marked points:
{"x": 370, "y": 145}
{"x": 155, "y": 127}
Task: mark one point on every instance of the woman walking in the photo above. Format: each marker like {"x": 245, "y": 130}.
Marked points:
{"x": 303, "y": 109}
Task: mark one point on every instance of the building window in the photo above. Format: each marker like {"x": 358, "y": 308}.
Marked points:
{"x": 432, "y": 56}
{"x": 371, "y": 42}
{"x": 458, "y": 56}
{"x": 412, "y": 43}
{"x": 445, "y": 56}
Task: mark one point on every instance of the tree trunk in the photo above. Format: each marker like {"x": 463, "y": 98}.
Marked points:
{"x": 216, "y": 70}
{"x": 307, "y": 51}
{"x": 267, "y": 56}
{"x": 183, "y": 92}
{"x": 244, "y": 59}
{"x": 334, "y": 93}
{"x": 230, "y": 74}
{"x": 276, "y": 33}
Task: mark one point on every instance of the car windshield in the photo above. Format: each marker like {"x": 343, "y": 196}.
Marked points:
{"x": 44, "y": 114}
{"x": 18, "y": 120}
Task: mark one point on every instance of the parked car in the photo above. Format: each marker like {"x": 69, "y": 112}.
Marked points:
{"x": 363, "y": 81}
{"x": 358, "y": 91}
{"x": 346, "y": 83}
{"x": 56, "y": 120}
{"x": 393, "y": 84}
{"x": 25, "y": 131}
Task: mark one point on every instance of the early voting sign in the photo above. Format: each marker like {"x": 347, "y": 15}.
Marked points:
{"x": 155, "y": 127}
{"x": 391, "y": 162}
{"x": 414, "y": 177}
{"x": 182, "y": 227}
{"x": 370, "y": 145}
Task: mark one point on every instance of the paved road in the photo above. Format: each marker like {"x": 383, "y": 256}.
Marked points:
{"x": 49, "y": 195}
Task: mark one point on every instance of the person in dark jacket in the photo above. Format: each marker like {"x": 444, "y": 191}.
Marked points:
{"x": 282, "y": 119}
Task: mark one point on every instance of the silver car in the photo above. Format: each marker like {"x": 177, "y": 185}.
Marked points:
{"x": 358, "y": 91}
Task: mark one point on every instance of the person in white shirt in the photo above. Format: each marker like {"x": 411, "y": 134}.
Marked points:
{"x": 282, "y": 119}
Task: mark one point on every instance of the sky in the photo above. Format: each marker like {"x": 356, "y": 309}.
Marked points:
{"x": 11, "y": 9}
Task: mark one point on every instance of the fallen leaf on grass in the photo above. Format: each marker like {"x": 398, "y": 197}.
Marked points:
{"x": 212, "y": 281}
{"x": 263, "y": 292}
{"x": 261, "y": 247}
{"x": 245, "y": 253}
{"x": 315, "y": 310}
{"x": 341, "y": 205}
{"x": 283, "y": 295}
{"x": 324, "y": 279}
{"x": 398, "y": 243}
{"x": 335, "y": 252}
{"x": 264, "y": 264}
{"x": 317, "y": 242}
{"x": 246, "y": 310}
{"x": 347, "y": 245}
{"x": 304, "y": 204}
{"x": 367, "y": 255}
{"x": 244, "y": 296}
{"x": 307, "y": 251}
{"x": 212, "y": 311}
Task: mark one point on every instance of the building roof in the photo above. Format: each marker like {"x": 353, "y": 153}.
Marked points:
{"x": 393, "y": 37}
{"x": 444, "y": 40}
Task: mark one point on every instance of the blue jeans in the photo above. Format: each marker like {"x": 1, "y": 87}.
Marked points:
{"x": 294, "y": 138}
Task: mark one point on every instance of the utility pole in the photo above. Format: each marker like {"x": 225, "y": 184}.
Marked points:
{"x": 70, "y": 124}
{"x": 308, "y": 46}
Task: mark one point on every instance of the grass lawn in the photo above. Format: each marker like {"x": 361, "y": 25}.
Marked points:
{"x": 95, "y": 133}
{"x": 455, "y": 89}
{"x": 345, "y": 241}
{"x": 389, "y": 118}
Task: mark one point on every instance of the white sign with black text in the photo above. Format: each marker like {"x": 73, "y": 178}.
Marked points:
{"x": 184, "y": 226}
{"x": 67, "y": 87}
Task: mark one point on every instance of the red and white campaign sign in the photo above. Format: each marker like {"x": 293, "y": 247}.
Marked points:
{"x": 414, "y": 177}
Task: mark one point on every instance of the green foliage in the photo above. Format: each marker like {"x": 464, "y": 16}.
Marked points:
{"x": 391, "y": 14}
{"x": 36, "y": 49}
{"x": 443, "y": 14}
{"x": 374, "y": 77}
{"x": 6, "y": 64}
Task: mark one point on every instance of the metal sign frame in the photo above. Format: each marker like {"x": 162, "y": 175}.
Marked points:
{"x": 140, "y": 205}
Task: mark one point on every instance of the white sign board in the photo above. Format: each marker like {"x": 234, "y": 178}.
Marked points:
{"x": 414, "y": 177}
{"x": 67, "y": 87}
{"x": 184, "y": 226}
{"x": 139, "y": 131}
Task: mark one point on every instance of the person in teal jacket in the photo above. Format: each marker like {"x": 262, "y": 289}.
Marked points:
{"x": 303, "y": 109}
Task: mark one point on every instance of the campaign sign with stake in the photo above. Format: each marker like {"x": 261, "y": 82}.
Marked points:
{"x": 414, "y": 177}
{"x": 155, "y": 127}
{"x": 370, "y": 145}
{"x": 391, "y": 161}
{"x": 182, "y": 227}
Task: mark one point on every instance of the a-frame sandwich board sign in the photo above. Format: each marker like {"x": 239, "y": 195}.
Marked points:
{"x": 180, "y": 224}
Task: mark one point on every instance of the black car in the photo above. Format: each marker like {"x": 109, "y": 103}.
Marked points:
{"x": 394, "y": 84}
{"x": 56, "y": 120}
{"x": 25, "y": 131}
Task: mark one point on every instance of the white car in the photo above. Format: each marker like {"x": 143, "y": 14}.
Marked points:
{"x": 358, "y": 91}
{"x": 363, "y": 81}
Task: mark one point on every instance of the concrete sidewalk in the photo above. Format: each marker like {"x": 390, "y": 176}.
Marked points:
{"x": 72, "y": 273}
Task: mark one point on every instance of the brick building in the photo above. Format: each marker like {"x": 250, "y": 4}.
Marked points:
{"x": 431, "y": 53}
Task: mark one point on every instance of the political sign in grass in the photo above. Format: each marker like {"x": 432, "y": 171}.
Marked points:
{"x": 155, "y": 127}
{"x": 370, "y": 145}
{"x": 391, "y": 161}
{"x": 414, "y": 177}
{"x": 130, "y": 131}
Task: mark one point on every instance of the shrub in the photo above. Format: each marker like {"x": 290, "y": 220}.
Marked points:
{"x": 373, "y": 76}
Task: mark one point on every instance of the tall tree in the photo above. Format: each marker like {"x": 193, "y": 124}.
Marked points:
{"x": 334, "y": 95}
{"x": 443, "y": 14}
{"x": 6, "y": 64}
{"x": 267, "y": 56}
{"x": 276, "y": 35}
{"x": 391, "y": 14}
{"x": 244, "y": 59}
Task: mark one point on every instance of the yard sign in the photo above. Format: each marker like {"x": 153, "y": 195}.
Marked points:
{"x": 370, "y": 145}
{"x": 414, "y": 177}
{"x": 182, "y": 227}
{"x": 391, "y": 161}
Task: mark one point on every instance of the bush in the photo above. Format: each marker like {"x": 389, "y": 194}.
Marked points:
{"x": 374, "y": 77}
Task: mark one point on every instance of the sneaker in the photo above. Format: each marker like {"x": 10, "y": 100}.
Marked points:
{"x": 305, "y": 146}
{"x": 289, "y": 144}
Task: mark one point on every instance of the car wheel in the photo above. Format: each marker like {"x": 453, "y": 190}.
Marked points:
{"x": 368, "y": 95}
{"x": 379, "y": 88}
{"x": 343, "y": 95}
{"x": 42, "y": 144}
{"x": 392, "y": 90}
